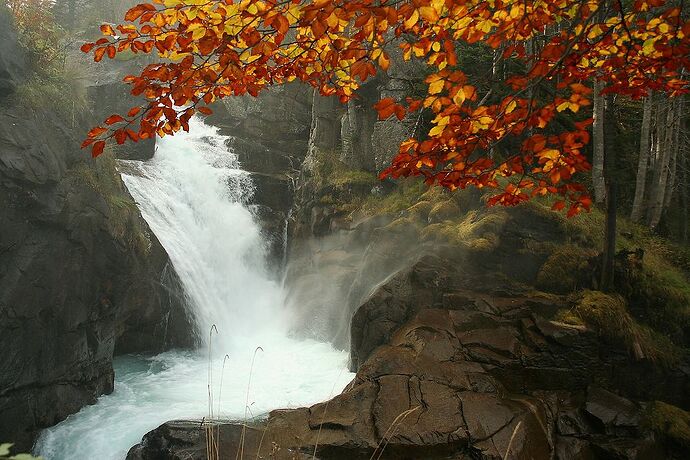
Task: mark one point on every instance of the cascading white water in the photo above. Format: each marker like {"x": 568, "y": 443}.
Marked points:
{"x": 192, "y": 194}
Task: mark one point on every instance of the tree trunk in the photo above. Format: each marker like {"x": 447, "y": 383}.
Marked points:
{"x": 643, "y": 161}
{"x": 684, "y": 196}
{"x": 610, "y": 173}
{"x": 665, "y": 138}
{"x": 675, "y": 149}
{"x": 598, "y": 145}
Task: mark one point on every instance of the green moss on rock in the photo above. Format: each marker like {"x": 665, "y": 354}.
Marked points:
{"x": 102, "y": 176}
{"x": 444, "y": 210}
{"x": 669, "y": 422}
{"x": 475, "y": 230}
{"x": 609, "y": 316}
{"x": 564, "y": 270}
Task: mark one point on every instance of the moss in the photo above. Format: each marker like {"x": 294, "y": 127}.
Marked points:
{"x": 406, "y": 194}
{"x": 352, "y": 178}
{"x": 124, "y": 222}
{"x": 61, "y": 93}
{"x": 475, "y": 230}
{"x": 658, "y": 291}
{"x": 568, "y": 317}
{"x": 403, "y": 225}
{"x": 444, "y": 210}
{"x": 329, "y": 171}
{"x": 669, "y": 422}
{"x": 421, "y": 210}
{"x": 609, "y": 316}
{"x": 565, "y": 270}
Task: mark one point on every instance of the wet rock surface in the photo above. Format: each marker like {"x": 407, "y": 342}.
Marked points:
{"x": 73, "y": 291}
{"x": 456, "y": 372}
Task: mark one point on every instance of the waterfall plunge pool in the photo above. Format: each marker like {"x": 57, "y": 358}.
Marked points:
{"x": 193, "y": 193}
{"x": 173, "y": 385}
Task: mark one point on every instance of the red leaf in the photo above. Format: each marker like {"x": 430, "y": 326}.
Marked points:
{"x": 558, "y": 206}
{"x": 97, "y": 131}
{"x": 97, "y": 148}
{"x": 205, "y": 110}
{"x": 120, "y": 136}
{"x": 385, "y": 107}
{"x": 111, "y": 120}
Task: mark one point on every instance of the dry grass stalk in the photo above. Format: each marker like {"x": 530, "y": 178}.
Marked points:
{"x": 240, "y": 451}
{"x": 512, "y": 438}
{"x": 390, "y": 432}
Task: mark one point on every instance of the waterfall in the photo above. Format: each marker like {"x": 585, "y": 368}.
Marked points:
{"x": 193, "y": 194}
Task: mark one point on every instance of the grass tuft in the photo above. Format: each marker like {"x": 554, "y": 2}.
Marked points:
{"x": 608, "y": 316}
{"x": 669, "y": 422}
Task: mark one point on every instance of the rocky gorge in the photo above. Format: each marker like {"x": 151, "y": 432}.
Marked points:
{"x": 81, "y": 275}
{"x": 473, "y": 332}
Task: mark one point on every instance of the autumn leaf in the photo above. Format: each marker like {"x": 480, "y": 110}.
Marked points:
{"x": 215, "y": 49}
{"x": 97, "y": 148}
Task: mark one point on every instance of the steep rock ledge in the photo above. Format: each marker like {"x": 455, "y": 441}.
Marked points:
{"x": 81, "y": 274}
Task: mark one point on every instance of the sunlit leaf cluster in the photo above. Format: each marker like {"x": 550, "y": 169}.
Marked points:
{"x": 218, "y": 48}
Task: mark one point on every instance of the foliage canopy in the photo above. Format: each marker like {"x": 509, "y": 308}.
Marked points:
{"x": 218, "y": 48}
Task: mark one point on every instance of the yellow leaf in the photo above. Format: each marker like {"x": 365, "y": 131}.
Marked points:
{"x": 436, "y": 131}
{"x": 460, "y": 97}
{"x": 511, "y": 107}
{"x": 442, "y": 121}
{"x": 436, "y": 87}
{"x": 550, "y": 154}
{"x": 412, "y": 20}
{"x": 563, "y": 106}
{"x": 198, "y": 33}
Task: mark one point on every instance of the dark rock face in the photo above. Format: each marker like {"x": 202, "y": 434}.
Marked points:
{"x": 12, "y": 66}
{"x": 73, "y": 287}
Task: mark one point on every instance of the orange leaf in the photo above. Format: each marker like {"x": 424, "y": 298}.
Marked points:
{"x": 205, "y": 110}
{"x": 98, "y": 55}
{"x": 107, "y": 29}
{"x": 385, "y": 107}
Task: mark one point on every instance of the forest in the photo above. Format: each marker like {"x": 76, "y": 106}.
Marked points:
{"x": 405, "y": 229}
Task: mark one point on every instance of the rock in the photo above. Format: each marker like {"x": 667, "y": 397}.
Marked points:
{"x": 612, "y": 411}
{"x": 446, "y": 370}
{"x": 74, "y": 288}
{"x": 12, "y": 59}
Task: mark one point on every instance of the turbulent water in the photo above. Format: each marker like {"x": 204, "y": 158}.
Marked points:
{"x": 193, "y": 194}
